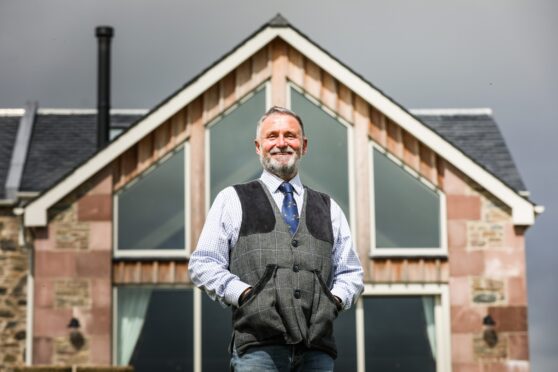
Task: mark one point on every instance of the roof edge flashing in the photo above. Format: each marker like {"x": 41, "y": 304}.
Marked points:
{"x": 21, "y": 147}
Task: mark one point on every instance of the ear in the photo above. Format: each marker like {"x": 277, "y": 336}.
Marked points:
{"x": 304, "y": 145}
{"x": 258, "y": 146}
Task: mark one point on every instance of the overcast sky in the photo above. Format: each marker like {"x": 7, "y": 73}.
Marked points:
{"x": 501, "y": 54}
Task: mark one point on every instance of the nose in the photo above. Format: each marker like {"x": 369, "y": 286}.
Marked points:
{"x": 281, "y": 142}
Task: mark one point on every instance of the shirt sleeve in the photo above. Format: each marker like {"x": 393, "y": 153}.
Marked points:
{"x": 347, "y": 270}
{"x": 209, "y": 263}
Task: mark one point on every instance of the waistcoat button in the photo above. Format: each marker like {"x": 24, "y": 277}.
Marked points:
{"x": 294, "y": 243}
{"x": 295, "y": 268}
{"x": 297, "y": 293}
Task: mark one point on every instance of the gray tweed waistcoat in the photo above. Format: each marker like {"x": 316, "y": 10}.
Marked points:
{"x": 290, "y": 302}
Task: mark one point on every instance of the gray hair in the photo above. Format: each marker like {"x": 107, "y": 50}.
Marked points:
{"x": 279, "y": 111}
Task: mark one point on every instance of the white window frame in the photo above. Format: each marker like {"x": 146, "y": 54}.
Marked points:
{"x": 350, "y": 147}
{"x": 441, "y": 317}
{"x": 158, "y": 253}
{"x": 196, "y": 316}
{"x": 406, "y": 252}
{"x": 265, "y": 85}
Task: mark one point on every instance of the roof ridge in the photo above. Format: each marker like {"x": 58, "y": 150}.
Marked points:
{"x": 89, "y": 111}
{"x": 452, "y": 111}
{"x": 12, "y": 111}
{"x": 278, "y": 21}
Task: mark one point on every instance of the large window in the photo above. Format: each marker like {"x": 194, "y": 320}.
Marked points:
{"x": 405, "y": 328}
{"x": 344, "y": 330}
{"x": 408, "y": 212}
{"x": 216, "y": 335}
{"x": 325, "y": 167}
{"x": 400, "y": 333}
{"x": 155, "y": 329}
{"x": 151, "y": 211}
{"x": 232, "y": 153}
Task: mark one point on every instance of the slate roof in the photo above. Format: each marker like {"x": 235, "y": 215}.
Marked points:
{"x": 61, "y": 142}
{"x": 8, "y": 132}
{"x": 479, "y": 137}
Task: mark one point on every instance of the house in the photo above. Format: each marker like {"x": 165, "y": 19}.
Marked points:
{"x": 95, "y": 243}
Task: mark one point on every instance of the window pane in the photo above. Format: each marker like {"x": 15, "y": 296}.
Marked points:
{"x": 407, "y": 211}
{"x": 216, "y": 336}
{"x": 344, "y": 330}
{"x": 399, "y": 332}
{"x": 325, "y": 166}
{"x": 157, "y": 327}
{"x": 233, "y": 157}
{"x": 151, "y": 210}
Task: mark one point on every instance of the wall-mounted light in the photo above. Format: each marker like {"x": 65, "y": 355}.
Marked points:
{"x": 489, "y": 335}
{"x": 76, "y": 338}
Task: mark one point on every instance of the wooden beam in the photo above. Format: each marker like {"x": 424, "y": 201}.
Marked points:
{"x": 279, "y": 68}
{"x": 378, "y": 127}
{"x": 228, "y": 90}
{"x": 410, "y": 151}
{"x": 243, "y": 75}
{"x": 361, "y": 176}
{"x": 312, "y": 79}
{"x": 296, "y": 67}
{"x": 261, "y": 65}
{"x": 328, "y": 94}
{"x": 197, "y": 167}
{"x": 211, "y": 99}
{"x": 394, "y": 143}
{"x": 345, "y": 103}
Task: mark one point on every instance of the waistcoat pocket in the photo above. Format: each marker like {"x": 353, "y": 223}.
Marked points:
{"x": 257, "y": 319}
{"x": 325, "y": 311}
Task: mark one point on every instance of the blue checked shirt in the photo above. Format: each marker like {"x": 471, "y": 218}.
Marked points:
{"x": 209, "y": 264}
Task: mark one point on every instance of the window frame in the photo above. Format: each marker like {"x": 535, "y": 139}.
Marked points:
{"x": 351, "y": 218}
{"x": 442, "y": 250}
{"x": 158, "y": 253}
{"x": 440, "y": 292}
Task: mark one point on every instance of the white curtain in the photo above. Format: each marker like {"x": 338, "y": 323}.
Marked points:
{"x": 132, "y": 305}
{"x": 428, "y": 307}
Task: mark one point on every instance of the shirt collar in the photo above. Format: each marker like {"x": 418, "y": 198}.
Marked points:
{"x": 272, "y": 182}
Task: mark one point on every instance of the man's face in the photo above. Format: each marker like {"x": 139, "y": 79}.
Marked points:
{"x": 280, "y": 145}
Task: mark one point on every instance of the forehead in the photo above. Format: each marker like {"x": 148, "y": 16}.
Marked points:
{"x": 280, "y": 122}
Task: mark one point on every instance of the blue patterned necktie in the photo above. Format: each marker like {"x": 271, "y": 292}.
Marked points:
{"x": 289, "y": 210}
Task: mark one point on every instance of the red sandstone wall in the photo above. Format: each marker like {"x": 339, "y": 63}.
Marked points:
{"x": 73, "y": 277}
{"x": 487, "y": 276}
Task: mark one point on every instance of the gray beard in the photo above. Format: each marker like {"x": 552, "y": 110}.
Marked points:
{"x": 283, "y": 171}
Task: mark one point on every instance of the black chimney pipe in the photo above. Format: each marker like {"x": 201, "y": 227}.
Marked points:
{"x": 104, "y": 35}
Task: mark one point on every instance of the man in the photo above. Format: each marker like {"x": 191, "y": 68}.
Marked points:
{"x": 281, "y": 255}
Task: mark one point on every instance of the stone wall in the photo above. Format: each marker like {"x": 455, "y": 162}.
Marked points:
{"x": 487, "y": 277}
{"x": 73, "y": 277}
{"x": 13, "y": 292}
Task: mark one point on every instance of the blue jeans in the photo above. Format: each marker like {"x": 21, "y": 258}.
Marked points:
{"x": 281, "y": 358}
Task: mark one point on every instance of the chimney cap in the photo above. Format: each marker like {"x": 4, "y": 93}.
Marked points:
{"x": 104, "y": 31}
